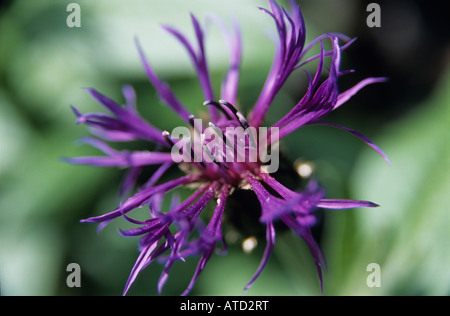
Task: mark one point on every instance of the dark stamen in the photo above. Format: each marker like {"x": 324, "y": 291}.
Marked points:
{"x": 220, "y": 133}
{"x": 211, "y": 156}
{"x": 218, "y": 106}
{"x": 241, "y": 118}
{"x": 191, "y": 120}
{"x": 166, "y": 136}
{"x": 236, "y": 113}
{"x": 192, "y": 123}
{"x": 193, "y": 155}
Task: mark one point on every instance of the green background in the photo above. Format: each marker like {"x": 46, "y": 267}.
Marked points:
{"x": 44, "y": 64}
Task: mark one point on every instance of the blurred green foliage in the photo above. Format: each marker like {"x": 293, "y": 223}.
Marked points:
{"x": 43, "y": 66}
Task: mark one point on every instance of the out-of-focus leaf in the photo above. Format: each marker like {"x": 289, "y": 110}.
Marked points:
{"x": 408, "y": 235}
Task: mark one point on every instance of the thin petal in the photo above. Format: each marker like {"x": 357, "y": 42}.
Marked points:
{"x": 127, "y": 120}
{"x": 190, "y": 216}
{"x": 270, "y": 237}
{"x": 344, "y": 204}
{"x": 359, "y": 135}
{"x": 141, "y": 198}
{"x": 288, "y": 52}
{"x": 157, "y": 175}
{"x": 314, "y": 248}
{"x": 104, "y": 147}
{"x": 138, "y": 266}
{"x": 233, "y": 40}
{"x": 129, "y": 181}
{"x": 198, "y": 60}
{"x": 123, "y": 160}
{"x": 302, "y": 105}
{"x": 107, "y": 102}
{"x": 163, "y": 89}
{"x": 130, "y": 97}
{"x": 346, "y": 95}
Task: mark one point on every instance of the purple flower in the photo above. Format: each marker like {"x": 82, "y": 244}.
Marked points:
{"x": 180, "y": 232}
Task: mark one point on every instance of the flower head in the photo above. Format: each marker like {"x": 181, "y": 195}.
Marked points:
{"x": 216, "y": 160}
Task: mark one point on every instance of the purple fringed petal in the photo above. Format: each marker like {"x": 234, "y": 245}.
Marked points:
{"x": 269, "y": 203}
{"x": 210, "y": 236}
{"x": 323, "y": 100}
{"x": 302, "y": 106}
{"x": 298, "y": 221}
{"x": 156, "y": 229}
{"x": 291, "y": 32}
{"x": 127, "y": 125}
{"x": 187, "y": 220}
{"x": 149, "y": 254}
{"x": 301, "y": 204}
{"x": 349, "y": 41}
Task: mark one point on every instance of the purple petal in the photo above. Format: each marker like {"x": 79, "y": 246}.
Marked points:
{"x": 302, "y": 105}
{"x": 123, "y": 159}
{"x": 104, "y": 147}
{"x": 322, "y": 101}
{"x": 191, "y": 214}
{"x": 107, "y": 102}
{"x": 198, "y": 60}
{"x": 287, "y": 54}
{"x": 129, "y": 181}
{"x": 200, "y": 266}
{"x": 327, "y": 53}
{"x": 114, "y": 136}
{"x": 270, "y": 237}
{"x": 269, "y": 203}
{"x": 130, "y": 97}
{"x": 77, "y": 113}
{"x": 359, "y": 135}
{"x": 127, "y": 120}
{"x": 213, "y": 231}
{"x": 346, "y": 95}
{"x": 233, "y": 40}
{"x": 305, "y": 233}
{"x": 141, "y": 198}
{"x": 132, "y": 232}
{"x": 138, "y": 266}
{"x": 163, "y": 89}
{"x": 97, "y": 161}
{"x": 157, "y": 175}
{"x": 344, "y": 204}
{"x": 277, "y": 186}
